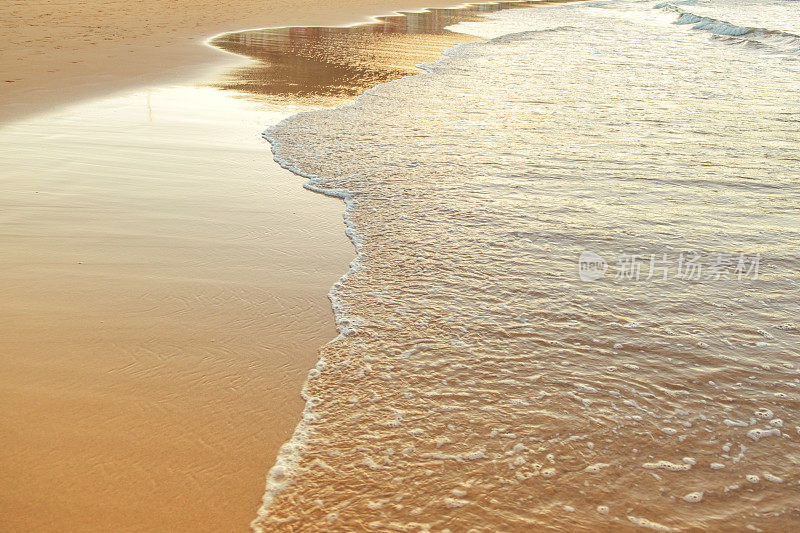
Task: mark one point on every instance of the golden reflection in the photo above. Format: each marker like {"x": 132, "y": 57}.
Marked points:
{"x": 328, "y": 66}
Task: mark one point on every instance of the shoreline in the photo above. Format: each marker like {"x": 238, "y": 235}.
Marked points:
{"x": 158, "y": 320}
{"x": 164, "y": 296}
{"x": 50, "y": 64}
{"x": 157, "y": 367}
{"x": 289, "y": 456}
{"x": 320, "y": 492}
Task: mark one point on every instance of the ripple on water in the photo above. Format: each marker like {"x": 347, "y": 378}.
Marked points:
{"x": 477, "y": 379}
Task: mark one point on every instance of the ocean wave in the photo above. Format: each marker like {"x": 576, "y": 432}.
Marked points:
{"x": 780, "y": 41}
{"x": 473, "y": 369}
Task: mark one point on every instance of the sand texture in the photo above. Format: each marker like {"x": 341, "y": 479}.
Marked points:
{"x": 53, "y": 53}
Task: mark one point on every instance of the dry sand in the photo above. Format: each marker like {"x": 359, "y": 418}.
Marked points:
{"x": 164, "y": 283}
{"x": 53, "y": 53}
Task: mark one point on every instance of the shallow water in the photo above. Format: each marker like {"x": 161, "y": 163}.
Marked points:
{"x": 481, "y": 381}
{"x": 330, "y": 66}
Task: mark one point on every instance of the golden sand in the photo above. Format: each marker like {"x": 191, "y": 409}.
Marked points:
{"x": 165, "y": 282}
{"x": 53, "y": 53}
{"x": 331, "y": 66}
{"x": 164, "y": 293}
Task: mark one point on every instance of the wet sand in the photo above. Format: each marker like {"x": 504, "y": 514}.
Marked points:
{"x": 164, "y": 293}
{"x": 53, "y": 54}
{"x": 330, "y": 66}
{"x": 165, "y": 282}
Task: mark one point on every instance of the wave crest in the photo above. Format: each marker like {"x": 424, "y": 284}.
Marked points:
{"x": 777, "y": 40}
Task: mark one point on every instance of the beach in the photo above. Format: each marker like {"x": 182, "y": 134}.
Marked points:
{"x": 164, "y": 294}
{"x": 519, "y": 266}
{"x": 57, "y": 53}
{"x": 573, "y": 302}
{"x": 165, "y": 283}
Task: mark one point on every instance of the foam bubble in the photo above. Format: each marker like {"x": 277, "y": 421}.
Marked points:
{"x": 693, "y": 497}
{"x": 455, "y": 502}
{"x": 738, "y": 423}
{"x": 764, "y": 413}
{"x": 667, "y": 465}
{"x": 757, "y": 434}
{"x": 596, "y": 467}
{"x": 475, "y": 454}
{"x": 649, "y": 524}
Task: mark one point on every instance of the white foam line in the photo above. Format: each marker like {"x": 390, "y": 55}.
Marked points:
{"x": 288, "y": 459}
{"x": 290, "y": 453}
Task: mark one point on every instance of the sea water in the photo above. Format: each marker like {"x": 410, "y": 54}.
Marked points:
{"x": 575, "y": 301}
